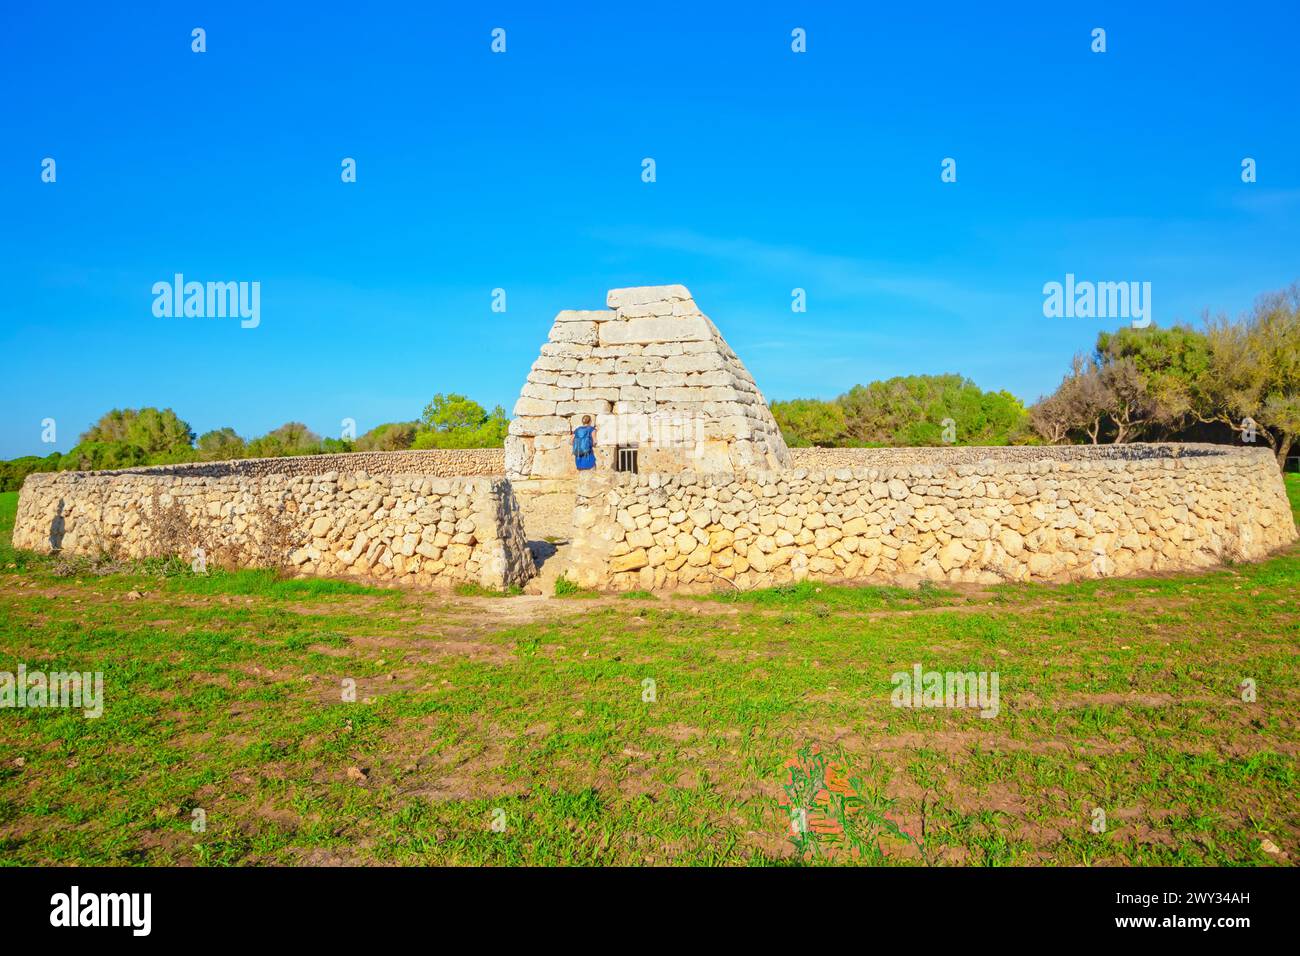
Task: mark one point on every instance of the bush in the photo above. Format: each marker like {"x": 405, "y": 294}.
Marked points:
{"x": 220, "y": 444}
{"x": 391, "y": 436}
{"x": 101, "y": 455}
{"x": 13, "y": 472}
{"x": 291, "y": 438}
{"x": 905, "y": 410}
{"x": 152, "y": 429}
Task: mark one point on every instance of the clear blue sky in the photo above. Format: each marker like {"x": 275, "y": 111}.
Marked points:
{"x": 522, "y": 171}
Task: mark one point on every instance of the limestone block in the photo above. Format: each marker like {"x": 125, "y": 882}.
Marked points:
{"x": 649, "y": 330}
{"x": 1011, "y": 541}
{"x": 577, "y": 333}
{"x": 661, "y": 379}
{"x": 547, "y": 392}
{"x": 611, "y": 379}
{"x": 590, "y": 407}
{"x": 585, "y": 315}
{"x": 540, "y": 425}
{"x": 631, "y": 561}
{"x": 639, "y": 295}
{"x": 597, "y": 394}
{"x": 535, "y": 406}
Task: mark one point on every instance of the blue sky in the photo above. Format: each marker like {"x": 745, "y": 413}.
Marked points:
{"x": 522, "y": 171}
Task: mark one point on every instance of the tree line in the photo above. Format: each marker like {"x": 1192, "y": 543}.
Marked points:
{"x": 907, "y": 410}
{"x": 131, "y": 437}
{"x": 1228, "y": 381}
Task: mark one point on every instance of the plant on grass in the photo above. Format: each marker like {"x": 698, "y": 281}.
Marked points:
{"x": 564, "y": 587}
{"x": 830, "y": 813}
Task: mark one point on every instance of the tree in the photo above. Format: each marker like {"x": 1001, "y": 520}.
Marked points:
{"x": 910, "y": 410}
{"x": 221, "y": 444}
{"x": 448, "y": 413}
{"x": 159, "y": 431}
{"x": 809, "y": 421}
{"x": 391, "y": 436}
{"x": 291, "y": 438}
{"x": 454, "y": 421}
{"x": 1169, "y": 363}
{"x": 1079, "y": 404}
{"x": 112, "y": 426}
{"x": 1052, "y": 418}
{"x": 151, "y": 429}
{"x": 1159, "y": 382}
{"x": 1125, "y": 397}
{"x": 14, "y": 471}
{"x": 1254, "y": 372}
{"x": 103, "y": 455}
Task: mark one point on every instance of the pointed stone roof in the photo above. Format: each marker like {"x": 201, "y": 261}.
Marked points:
{"x": 654, "y": 373}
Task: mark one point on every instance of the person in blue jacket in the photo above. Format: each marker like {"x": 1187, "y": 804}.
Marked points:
{"x": 584, "y": 445}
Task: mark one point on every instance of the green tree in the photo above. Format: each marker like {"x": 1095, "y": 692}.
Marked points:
{"x": 221, "y": 444}
{"x": 1166, "y": 365}
{"x": 13, "y": 472}
{"x": 153, "y": 430}
{"x": 809, "y": 421}
{"x": 910, "y": 410}
{"x": 1254, "y": 372}
{"x": 454, "y": 421}
{"x": 391, "y": 436}
{"x": 449, "y": 413}
{"x": 291, "y": 438}
{"x": 103, "y": 455}
{"x": 112, "y": 426}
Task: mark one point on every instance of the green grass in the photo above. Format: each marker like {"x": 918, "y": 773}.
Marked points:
{"x": 567, "y": 588}
{"x": 809, "y": 594}
{"x": 633, "y": 732}
{"x": 477, "y": 590}
{"x": 8, "y": 511}
{"x": 264, "y": 583}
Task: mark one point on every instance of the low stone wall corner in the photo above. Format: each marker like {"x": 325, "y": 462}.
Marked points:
{"x": 390, "y": 527}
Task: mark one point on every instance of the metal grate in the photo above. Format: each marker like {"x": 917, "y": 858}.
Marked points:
{"x": 625, "y": 458}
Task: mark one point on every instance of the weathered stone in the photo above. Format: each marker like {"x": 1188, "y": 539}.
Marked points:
{"x": 303, "y": 511}
{"x": 629, "y": 562}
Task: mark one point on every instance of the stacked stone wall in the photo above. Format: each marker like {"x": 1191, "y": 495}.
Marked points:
{"x": 433, "y": 462}
{"x": 957, "y": 515}
{"x": 400, "y": 528}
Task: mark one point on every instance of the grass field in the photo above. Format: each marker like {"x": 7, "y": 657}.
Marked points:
{"x": 523, "y": 730}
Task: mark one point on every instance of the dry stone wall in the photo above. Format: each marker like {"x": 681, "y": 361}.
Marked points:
{"x": 400, "y": 528}
{"x": 881, "y": 515}
{"x": 433, "y": 463}
{"x": 983, "y": 515}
